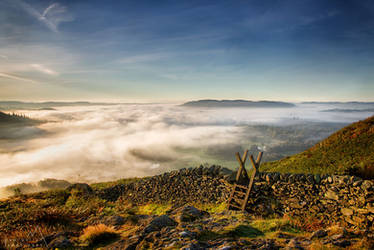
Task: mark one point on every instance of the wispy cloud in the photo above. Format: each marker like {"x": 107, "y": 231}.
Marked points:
{"x": 44, "y": 69}
{"x": 142, "y": 58}
{"x": 14, "y": 77}
{"x": 51, "y": 17}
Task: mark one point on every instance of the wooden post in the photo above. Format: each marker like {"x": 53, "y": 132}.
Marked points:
{"x": 256, "y": 165}
{"x": 241, "y": 166}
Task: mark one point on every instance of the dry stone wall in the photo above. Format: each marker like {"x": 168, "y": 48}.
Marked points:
{"x": 347, "y": 200}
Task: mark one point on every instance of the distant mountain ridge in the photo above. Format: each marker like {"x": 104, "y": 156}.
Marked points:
{"x": 9, "y": 105}
{"x": 347, "y": 151}
{"x": 352, "y": 102}
{"x": 348, "y": 110}
{"x": 237, "y": 103}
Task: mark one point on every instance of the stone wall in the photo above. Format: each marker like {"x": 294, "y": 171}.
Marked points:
{"x": 346, "y": 200}
{"x": 202, "y": 184}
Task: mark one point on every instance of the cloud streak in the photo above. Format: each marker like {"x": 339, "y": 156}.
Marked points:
{"x": 51, "y": 17}
{"x": 44, "y": 69}
{"x": 18, "y": 78}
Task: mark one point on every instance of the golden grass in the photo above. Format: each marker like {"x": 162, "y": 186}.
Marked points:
{"x": 97, "y": 234}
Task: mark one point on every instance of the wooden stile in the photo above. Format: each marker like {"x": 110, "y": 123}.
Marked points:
{"x": 244, "y": 184}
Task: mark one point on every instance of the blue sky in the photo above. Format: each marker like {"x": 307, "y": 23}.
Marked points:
{"x": 146, "y": 51}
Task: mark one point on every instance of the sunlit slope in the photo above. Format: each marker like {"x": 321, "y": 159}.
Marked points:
{"x": 349, "y": 150}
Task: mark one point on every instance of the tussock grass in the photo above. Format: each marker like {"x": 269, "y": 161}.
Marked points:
{"x": 93, "y": 235}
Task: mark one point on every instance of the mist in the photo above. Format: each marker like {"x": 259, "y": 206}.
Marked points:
{"x": 101, "y": 143}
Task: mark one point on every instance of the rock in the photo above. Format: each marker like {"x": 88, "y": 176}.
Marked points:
{"x": 160, "y": 222}
{"x": 114, "y": 220}
{"x": 318, "y": 234}
{"x": 330, "y": 194}
{"x": 192, "y": 246}
{"x": 367, "y": 185}
{"x": 346, "y": 211}
{"x": 190, "y": 213}
{"x": 357, "y": 183}
{"x": 294, "y": 244}
{"x": 226, "y": 248}
{"x": 336, "y": 237}
{"x": 60, "y": 242}
{"x": 341, "y": 243}
{"x": 281, "y": 235}
{"x": 185, "y": 234}
{"x": 317, "y": 178}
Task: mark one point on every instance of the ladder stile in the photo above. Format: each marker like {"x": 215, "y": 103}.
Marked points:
{"x": 240, "y": 193}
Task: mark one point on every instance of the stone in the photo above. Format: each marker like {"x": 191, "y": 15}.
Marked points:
{"x": 225, "y": 248}
{"x": 341, "y": 243}
{"x": 367, "y": 185}
{"x": 60, "y": 242}
{"x": 281, "y": 235}
{"x": 330, "y": 194}
{"x": 294, "y": 244}
{"x": 185, "y": 234}
{"x": 190, "y": 213}
{"x": 357, "y": 183}
{"x": 160, "y": 222}
{"x": 114, "y": 220}
{"x": 346, "y": 211}
{"x": 317, "y": 178}
{"x": 318, "y": 234}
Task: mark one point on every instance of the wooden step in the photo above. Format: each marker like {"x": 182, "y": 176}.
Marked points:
{"x": 238, "y": 200}
{"x": 238, "y": 207}
{"x": 240, "y": 192}
{"x": 241, "y": 186}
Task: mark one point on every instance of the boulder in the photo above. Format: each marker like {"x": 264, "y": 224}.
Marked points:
{"x": 114, "y": 220}
{"x": 160, "y": 222}
{"x": 60, "y": 242}
{"x": 190, "y": 213}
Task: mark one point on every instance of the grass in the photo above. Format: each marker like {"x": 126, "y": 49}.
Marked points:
{"x": 211, "y": 208}
{"x": 348, "y": 151}
{"x": 93, "y": 235}
{"x": 154, "y": 209}
{"x": 245, "y": 228}
{"x": 103, "y": 185}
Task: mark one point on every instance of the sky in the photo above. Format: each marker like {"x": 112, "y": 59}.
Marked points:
{"x": 174, "y": 51}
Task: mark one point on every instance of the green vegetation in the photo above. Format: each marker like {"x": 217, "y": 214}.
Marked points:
{"x": 348, "y": 151}
{"x": 154, "y": 209}
{"x": 103, "y": 185}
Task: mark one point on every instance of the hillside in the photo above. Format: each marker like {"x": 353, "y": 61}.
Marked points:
{"x": 237, "y": 104}
{"x": 349, "y": 150}
{"x": 186, "y": 209}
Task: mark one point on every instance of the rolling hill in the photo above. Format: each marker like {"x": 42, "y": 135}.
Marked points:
{"x": 349, "y": 150}
{"x": 237, "y": 104}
